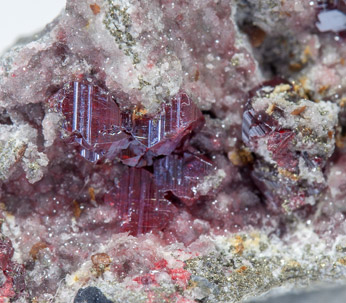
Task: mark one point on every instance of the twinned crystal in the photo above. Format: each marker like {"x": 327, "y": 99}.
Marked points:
{"x": 145, "y": 201}
{"x": 93, "y": 120}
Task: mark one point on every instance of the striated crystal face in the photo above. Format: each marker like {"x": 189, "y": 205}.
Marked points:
{"x": 164, "y": 132}
{"x": 94, "y": 121}
{"x": 180, "y": 175}
{"x": 255, "y": 126}
{"x": 280, "y": 144}
{"x": 139, "y": 205}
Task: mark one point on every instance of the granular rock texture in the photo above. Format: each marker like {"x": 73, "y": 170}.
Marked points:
{"x": 293, "y": 138}
{"x": 174, "y": 151}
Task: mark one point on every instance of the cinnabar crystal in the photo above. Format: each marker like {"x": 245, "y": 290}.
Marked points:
{"x": 140, "y": 206}
{"x": 94, "y": 121}
{"x": 290, "y": 150}
{"x": 180, "y": 175}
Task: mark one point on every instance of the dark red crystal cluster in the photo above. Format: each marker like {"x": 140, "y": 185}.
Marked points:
{"x": 94, "y": 121}
{"x": 143, "y": 197}
{"x": 291, "y": 153}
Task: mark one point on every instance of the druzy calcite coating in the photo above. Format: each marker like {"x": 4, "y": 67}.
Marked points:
{"x": 94, "y": 121}
{"x": 291, "y": 148}
{"x": 139, "y": 205}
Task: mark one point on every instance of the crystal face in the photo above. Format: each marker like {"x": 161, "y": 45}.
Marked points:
{"x": 92, "y": 119}
{"x": 95, "y": 122}
{"x": 280, "y": 145}
{"x": 141, "y": 199}
{"x": 164, "y": 132}
{"x": 138, "y": 203}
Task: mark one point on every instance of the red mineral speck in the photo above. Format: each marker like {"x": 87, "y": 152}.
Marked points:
{"x": 140, "y": 207}
{"x": 180, "y": 175}
{"x": 13, "y": 272}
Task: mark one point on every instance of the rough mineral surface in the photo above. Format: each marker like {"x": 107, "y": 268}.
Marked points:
{"x": 293, "y": 138}
{"x": 174, "y": 151}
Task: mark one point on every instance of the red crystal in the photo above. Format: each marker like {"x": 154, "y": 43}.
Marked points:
{"x": 163, "y": 133}
{"x": 92, "y": 118}
{"x": 255, "y": 126}
{"x": 180, "y": 175}
{"x": 279, "y": 153}
{"x": 95, "y": 122}
{"x": 140, "y": 206}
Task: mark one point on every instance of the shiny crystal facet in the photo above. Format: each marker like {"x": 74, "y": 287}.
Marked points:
{"x": 253, "y": 127}
{"x": 279, "y": 143}
{"x": 180, "y": 175}
{"x": 95, "y": 122}
{"x": 140, "y": 207}
{"x": 92, "y": 117}
{"x": 163, "y": 133}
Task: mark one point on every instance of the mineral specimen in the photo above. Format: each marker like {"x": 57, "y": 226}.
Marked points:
{"x": 144, "y": 156}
